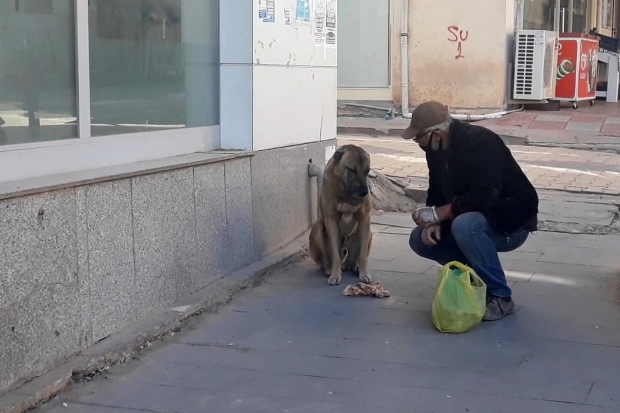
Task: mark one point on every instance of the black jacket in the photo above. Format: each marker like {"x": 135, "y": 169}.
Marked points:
{"x": 479, "y": 173}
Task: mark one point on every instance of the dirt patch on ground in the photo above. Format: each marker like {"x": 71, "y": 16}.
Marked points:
{"x": 388, "y": 196}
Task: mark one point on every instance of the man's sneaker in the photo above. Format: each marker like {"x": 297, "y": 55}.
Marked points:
{"x": 498, "y": 307}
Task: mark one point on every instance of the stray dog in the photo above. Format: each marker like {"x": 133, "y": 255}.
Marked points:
{"x": 341, "y": 238}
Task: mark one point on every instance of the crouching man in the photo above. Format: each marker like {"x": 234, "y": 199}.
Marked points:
{"x": 479, "y": 200}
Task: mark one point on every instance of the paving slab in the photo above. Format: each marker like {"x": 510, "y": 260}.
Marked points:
{"x": 295, "y": 344}
{"x": 577, "y": 212}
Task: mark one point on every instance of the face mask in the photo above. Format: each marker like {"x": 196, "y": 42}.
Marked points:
{"x": 435, "y": 143}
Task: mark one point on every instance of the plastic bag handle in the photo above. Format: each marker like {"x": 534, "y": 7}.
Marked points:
{"x": 466, "y": 271}
{"x": 458, "y": 265}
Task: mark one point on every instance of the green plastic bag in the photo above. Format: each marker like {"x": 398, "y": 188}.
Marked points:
{"x": 460, "y": 302}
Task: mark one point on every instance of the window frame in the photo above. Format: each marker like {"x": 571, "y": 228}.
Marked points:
{"x": 610, "y": 13}
{"x": 39, "y": 159}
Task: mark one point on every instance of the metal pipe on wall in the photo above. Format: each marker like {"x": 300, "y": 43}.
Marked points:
{"x": 317, "y": 171}
{"x": 404, "y": 57}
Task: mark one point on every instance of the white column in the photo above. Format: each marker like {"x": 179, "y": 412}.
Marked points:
{"x": 278, "y": 75}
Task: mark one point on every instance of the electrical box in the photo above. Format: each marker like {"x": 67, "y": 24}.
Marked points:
{"x": 536, "y": 57}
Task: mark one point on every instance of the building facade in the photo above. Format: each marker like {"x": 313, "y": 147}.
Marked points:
{"x": 148, "y": 148}
{"x": 459, "y": 53}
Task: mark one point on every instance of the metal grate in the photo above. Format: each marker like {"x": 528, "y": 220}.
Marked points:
{"x": 524, "y": 68}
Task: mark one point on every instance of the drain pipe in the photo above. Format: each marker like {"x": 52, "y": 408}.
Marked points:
{"x": 317, "y": 171}
{"x": 404, "y": 60}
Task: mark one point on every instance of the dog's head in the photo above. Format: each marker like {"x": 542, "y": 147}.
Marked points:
{"x": 351, "y": 164}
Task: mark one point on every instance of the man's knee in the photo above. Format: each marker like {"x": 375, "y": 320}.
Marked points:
{"x": 467, "y": 224}
{"x": 415, "y": 241}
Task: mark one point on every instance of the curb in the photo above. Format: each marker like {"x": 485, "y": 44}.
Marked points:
{"x": 117, "y": 347}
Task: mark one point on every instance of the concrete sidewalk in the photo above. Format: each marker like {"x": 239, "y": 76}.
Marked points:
{"x": 293, "y": 344}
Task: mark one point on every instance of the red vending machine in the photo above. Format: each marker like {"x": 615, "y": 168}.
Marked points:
{"x": 577, "y": 71}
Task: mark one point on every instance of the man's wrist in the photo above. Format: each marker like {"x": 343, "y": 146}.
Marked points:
{"x": 445, "y": 213}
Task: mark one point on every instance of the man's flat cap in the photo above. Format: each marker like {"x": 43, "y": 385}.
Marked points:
{"x": 426, "y": 115}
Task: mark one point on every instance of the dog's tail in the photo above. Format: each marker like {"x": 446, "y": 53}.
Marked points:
{"x": 344, "y": 253}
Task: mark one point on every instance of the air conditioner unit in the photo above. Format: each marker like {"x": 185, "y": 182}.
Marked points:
{"x": 536, "y": 60}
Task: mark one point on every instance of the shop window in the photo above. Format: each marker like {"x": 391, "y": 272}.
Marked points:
{"x": 37, "y": 71}
{"x": 154, "y": 65}
{"x": 607, "y": 16}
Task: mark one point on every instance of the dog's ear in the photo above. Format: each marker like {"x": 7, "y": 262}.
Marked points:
{"x": 338, "y": 155}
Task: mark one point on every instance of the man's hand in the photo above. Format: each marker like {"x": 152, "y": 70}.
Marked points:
{"x": 431, "y": 235}
{"x": 425, "y": 217}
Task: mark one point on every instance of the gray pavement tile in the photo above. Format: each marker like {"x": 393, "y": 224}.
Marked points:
{"x": 175, "y": 353}
{"x": 557, "y": 269}
{"x": 241, "y": 402}
{"x": 394, "y": 219}
{"x": 591, "y": 306}
{"x": 299, "y": 386}
{"x": 593, "y": 288}
{"x": 580, "y": 256}
{"x": 298, "y": 345}
{"x": 163, "y": 373}
{"x": 596, "y": 241}
{"x": 398, "y": 317}
{"x": 554, "y": 118}
{"x": 605, "y": 393}
{"x": 289, "y": 343}
{"x": 547, "y": 238}
{"x": 192, "y": 376}
{"x": 560, "y": 327}
{"x": 397, "y": 231}
{"x": 309, "y": 365}
{"x": 222, "y": 377}
{"x": 376, "y": 228}
{"x": 259, "y": 304}
{"x": 444, "y": 378}
{"x": 520, "y": 255}
{"x": 282, "y": 290}
{"x": 422, "y": 302}
{"x": 574, "y": 351}
{"x": 105, "y": 409}
{"x": 142, "y": 396}
{"x": 427, "y": 352}
{"x": 552, "y": 367}
{"x": 410, "y": 264}
{"x": 73, "y": 408}
{"x": 584, "y": 126}
{"x": 383, "y": 396}
{"x": 517, "y": 276}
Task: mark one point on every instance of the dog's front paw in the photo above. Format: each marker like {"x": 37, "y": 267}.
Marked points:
{"x": 365, "y": 277}
{"x": 335, "y": 278}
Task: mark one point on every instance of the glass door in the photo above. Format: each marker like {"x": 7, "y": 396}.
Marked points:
{"x": 573, "y": 16}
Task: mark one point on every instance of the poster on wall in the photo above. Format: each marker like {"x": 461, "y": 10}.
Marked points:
{"x": 302, "y": 13}
{"x": 267, "y": 10}
{"x": 330, "y": 24}
{"x": 319, "y": 22}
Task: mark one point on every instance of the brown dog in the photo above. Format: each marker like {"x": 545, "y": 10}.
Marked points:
{"x": 341, "y": 238}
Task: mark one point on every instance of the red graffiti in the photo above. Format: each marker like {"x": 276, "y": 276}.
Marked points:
{"x": 458, "y": 36}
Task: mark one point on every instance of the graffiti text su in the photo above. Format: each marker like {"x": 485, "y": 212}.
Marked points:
{"x": 459, "y": 37}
